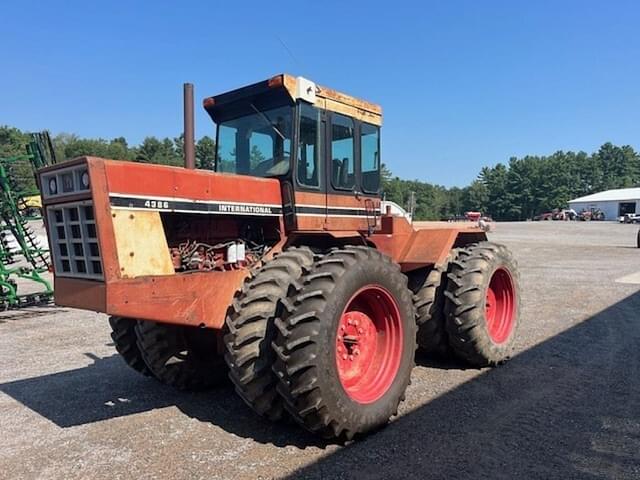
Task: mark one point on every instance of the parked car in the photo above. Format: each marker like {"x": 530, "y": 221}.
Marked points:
{"x": 630, "y": 218}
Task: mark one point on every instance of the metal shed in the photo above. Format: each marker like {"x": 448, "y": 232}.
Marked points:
{"x": 614, "y": 203}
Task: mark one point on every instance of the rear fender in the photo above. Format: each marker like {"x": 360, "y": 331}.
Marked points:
{"x": 432, "y": 246}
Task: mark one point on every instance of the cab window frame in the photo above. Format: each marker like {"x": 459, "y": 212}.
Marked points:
{"x": 329, "y": 153}
{"x": 320, "y": 150}
{"x": 262, "y": 107}
{"x": 378, "y": 170}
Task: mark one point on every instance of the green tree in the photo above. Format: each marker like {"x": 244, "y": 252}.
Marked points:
{"x": 13, "y": 144}
{"x": 205, "y": 153}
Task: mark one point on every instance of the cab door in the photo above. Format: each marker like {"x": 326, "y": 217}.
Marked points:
{"x": 352, "y": 174}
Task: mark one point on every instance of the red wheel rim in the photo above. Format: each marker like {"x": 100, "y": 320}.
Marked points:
{"x": 369, "y": 344}
{"x": 500, "y": 306}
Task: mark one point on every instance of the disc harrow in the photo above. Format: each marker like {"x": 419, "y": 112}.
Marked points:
{"x": 23, "y": 256}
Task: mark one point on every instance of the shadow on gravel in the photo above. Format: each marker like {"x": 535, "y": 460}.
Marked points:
{"x": 441, "y": 362}
{"x": 27, "y": 313}
{"x": 566, "y": 408}
{"x": 108, "y": 389}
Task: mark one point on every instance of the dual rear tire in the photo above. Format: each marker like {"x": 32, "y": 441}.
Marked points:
{"x": 346, "y": 343}
{"x": 470, "y": 305}
{"x": 251, "y": 329}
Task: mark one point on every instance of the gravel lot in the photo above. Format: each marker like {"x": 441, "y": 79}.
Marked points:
{"x": 566, "y": 406}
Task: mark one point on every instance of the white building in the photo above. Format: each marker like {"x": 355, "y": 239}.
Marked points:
{"x": 614, "y": 203}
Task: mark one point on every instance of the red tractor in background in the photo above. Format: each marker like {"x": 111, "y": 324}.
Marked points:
{"x": 279, "y": 269}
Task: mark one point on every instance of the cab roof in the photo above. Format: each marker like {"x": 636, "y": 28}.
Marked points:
{"x": 284, "y": 87}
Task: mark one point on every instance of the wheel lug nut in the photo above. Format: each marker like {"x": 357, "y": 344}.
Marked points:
{"x": 350, "y": 357}
{"x": 344, "y": 357}
{"x": 360, "y": 331}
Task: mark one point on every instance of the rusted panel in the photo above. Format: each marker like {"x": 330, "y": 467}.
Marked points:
{"x": 185, "y": 299}
{"x": 332, "y": 222}
{"x": 429, "y": 244}
{"x": 322, "y": 199}
{"x": 85, "y": 294}
{"x": 393, "y": 236}
{"x": 329, "y": 99}
{"x": 345, "y": 99}
{"x": 141, "y": 244}
{"x": 346, "y": 223}
{"x": 289, "y": 83}
{"x": 427, "y": 247}
{"x": 363, "y": 115}
{"x": 311, "y": 224}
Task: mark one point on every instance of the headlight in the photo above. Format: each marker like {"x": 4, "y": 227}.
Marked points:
{"x": 84, "y": 178}
{"x": 67, "y": 182}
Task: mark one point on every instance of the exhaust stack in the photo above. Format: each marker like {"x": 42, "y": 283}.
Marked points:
{"x": 189, "y": 127}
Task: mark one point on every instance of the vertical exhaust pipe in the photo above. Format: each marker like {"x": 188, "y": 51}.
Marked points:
{"x": 189, "y": 127}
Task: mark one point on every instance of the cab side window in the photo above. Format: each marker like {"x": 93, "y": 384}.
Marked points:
{"x": 370, "y": 157}
{"x": 309, "y": 147}
{"x": 342, "y": 152}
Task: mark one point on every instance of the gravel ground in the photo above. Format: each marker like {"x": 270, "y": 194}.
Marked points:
{"x": 566, "y": 406}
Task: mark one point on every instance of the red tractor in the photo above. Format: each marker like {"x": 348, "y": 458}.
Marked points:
{"x": 279, "y": 269}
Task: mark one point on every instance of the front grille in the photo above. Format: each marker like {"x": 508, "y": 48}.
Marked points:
{"x": 74, "y": 240}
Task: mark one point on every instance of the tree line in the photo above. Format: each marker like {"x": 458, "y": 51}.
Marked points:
{"x": 518, "y": 190}
{"x": 524, "y": 187}
{"x": 165, "y": 151}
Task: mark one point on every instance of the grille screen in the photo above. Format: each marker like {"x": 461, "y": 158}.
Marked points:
{"x": 74, "y": 240}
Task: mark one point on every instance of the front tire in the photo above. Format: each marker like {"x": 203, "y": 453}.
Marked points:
{"x": 482, "y": 304}
{"x": 183, "y": 357}
{"x": 346, "y": 344}
{"x": 250, "y": 327}
{"x": 123, "y": 334}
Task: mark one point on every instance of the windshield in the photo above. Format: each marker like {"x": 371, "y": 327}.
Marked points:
{"x": 257, "y": 144}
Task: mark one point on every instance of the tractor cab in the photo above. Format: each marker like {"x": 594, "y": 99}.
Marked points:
{"x": 322, "y": 145}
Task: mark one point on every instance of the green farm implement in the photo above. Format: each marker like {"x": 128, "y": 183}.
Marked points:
{"x": 23, "y": 257}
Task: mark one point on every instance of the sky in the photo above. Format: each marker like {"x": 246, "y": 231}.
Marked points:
{"x": 462, "y": 84}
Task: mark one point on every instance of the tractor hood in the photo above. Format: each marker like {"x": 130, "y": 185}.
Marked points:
{"x": 162, "y": 188}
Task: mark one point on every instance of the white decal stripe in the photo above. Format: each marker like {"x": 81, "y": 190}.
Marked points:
{"x": 203, "y": 212}
{"x": 363, "y": 217}
{"x": 182, "y": 199}
{"x": 329, "y": 206}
